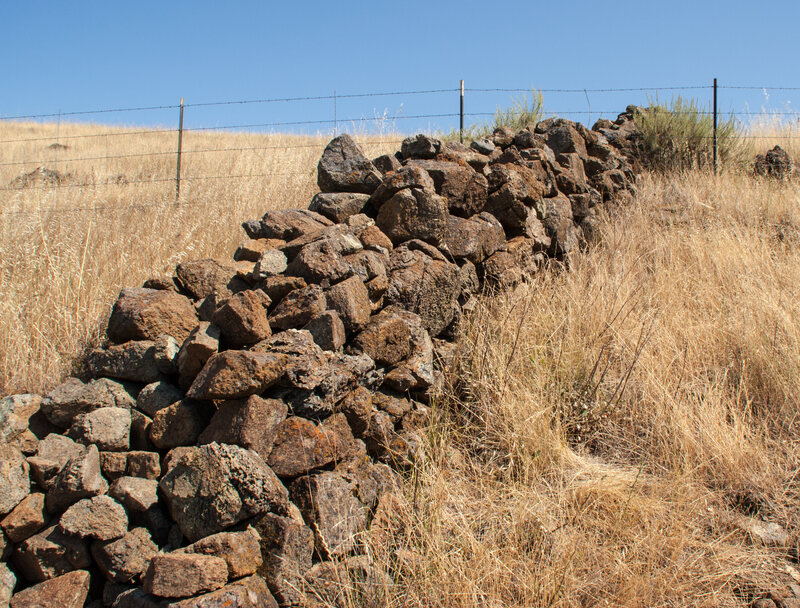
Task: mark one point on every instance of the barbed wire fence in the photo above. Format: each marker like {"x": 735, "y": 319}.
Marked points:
{"x": 259, "y": 128}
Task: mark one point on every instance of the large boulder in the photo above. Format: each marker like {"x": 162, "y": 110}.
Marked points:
{"x": 344, "y": 168}
{"x": 234, "y": 374}
{"x": 414, "y": 213}
{"x": 213, "y": 487}
{"x": 422, "y": 281}
{"x": 464, "y": 188}
{"x": 145, "y": 314}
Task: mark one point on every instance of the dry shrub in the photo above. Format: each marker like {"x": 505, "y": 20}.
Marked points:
{"x": 606, "y": 424}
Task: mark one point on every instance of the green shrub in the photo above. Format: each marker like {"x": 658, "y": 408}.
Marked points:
{"x": 680, "y": 136}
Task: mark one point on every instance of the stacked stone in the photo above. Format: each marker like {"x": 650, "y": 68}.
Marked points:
{"x": 246, "y": 420}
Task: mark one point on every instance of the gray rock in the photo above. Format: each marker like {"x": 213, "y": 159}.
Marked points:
{"x": 158, "y": 395}
{"x": 73, "y": 397}
{"x": 7, "y": 583}
{"x": 79, "y": 478}
{"x": 109, "y": 428}
{"x": 414, "y": 214}
{"x": 180, "y": 423}
{"x": 420, "y": 146}
{"x": 287, "y": 547}
{"x": 483, "y": 146}
{"x": 269, "y": 263}
{"x": 138, "y": 361}
{"x": 338, "y": 206}
{"x": 330, "y": 507}
{"x": 52, "y": 453}
{"x": 99, "y": 517}
{"x": 344, "y": 168}
{"x": 125, "y": 559}
{"x": 14, "y": 481}
{"x": 15, "y": 411}
{"x": 327, "y": 330}
{"x": 136, "y": 494}
{"x": 212, "y": 487}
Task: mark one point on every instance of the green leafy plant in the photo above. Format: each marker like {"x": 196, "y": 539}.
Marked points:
{"x": 679, "y": 135}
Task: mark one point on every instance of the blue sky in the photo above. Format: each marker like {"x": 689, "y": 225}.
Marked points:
{"x": 73, "y": 56}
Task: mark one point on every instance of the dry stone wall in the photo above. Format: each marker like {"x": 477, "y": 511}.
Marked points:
{"x": 246, "y": 426}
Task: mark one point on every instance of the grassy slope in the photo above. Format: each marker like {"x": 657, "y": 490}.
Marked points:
{"x": 604, "y": 426}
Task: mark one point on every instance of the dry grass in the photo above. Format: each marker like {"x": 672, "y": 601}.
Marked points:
{"x": 66, "y": 252}
{"x": 605, "y": 424}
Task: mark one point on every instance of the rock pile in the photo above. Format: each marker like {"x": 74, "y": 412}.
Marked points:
{"x": 248, "y": 420}
{"x": 776, "y": 163}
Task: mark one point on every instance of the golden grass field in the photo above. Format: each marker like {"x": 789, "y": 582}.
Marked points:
{"x": 605, "y": 426}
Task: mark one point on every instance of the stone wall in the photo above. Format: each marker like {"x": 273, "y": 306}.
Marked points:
{"x": 249, "y": 421}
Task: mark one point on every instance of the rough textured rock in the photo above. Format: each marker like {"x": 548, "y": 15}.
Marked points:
{"x": 423, "y": 282}
{"x": 242, "y": 319}
{"x": 474, "y": 239}
{"x": 287, "y": 547}
{"x": 138, "y": 361}
{"x": 250, "y": 592}
{"x": 327, "y": 330}
{"x": 156, "y": 396}
{"x": 251, "y": 249}
{"x": 99, "y": 517}
{"x": 338, "y": 206}
{"x": 14, "y": 482}
{"x": 146, "y": 314}
{"x": 184, "y": 574}
{"x": 351, "y": 300}
{"x": 125, "y": 559}
{"x": 27, "y": 518}
{"x": 411, "y": 176}
{"x": 413, "y": 214}
{"x": 49, "y": 554}
{"x": 212, "y": 487}
{"x": 344, "y": 168}
{"x": 235, "y": 374}
{"x": 270, "y": 263}
{"x": 180, "y": 423}
{"x": 298, "y": 308}
{"x": 52, "y": 454}
{"x": 15, "y": 414}
{"x": 328, "y": 504}
{"x": 196, "y": 350}
{"x": 109, "y": 428}
{"x": 463, "y": 188}
{"x": 420, "y": 146}
{"x": 776, "y": 163}
{"x": 73, "y": 397}
{"x": 302, "y": 445}
{"x": 66, "y": 591}
{"x": 79, "y": 478}
{"x": 136, "y": 494}
{"x": 240, "y": 550}
{"x": 209, "y": 277}
{"x": 7, "y": 583}
{"x": 251, "y": 423}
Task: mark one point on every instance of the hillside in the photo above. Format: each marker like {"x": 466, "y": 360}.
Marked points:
{"x": 611, "y": 430}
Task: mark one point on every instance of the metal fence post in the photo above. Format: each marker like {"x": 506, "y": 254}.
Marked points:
{"x": 461, "y": 116}
{"x": 715, "y": 127}
{"x": 180, "y": 149}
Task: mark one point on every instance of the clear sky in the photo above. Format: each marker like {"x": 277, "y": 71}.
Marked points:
{"x": 83, "y": 55}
